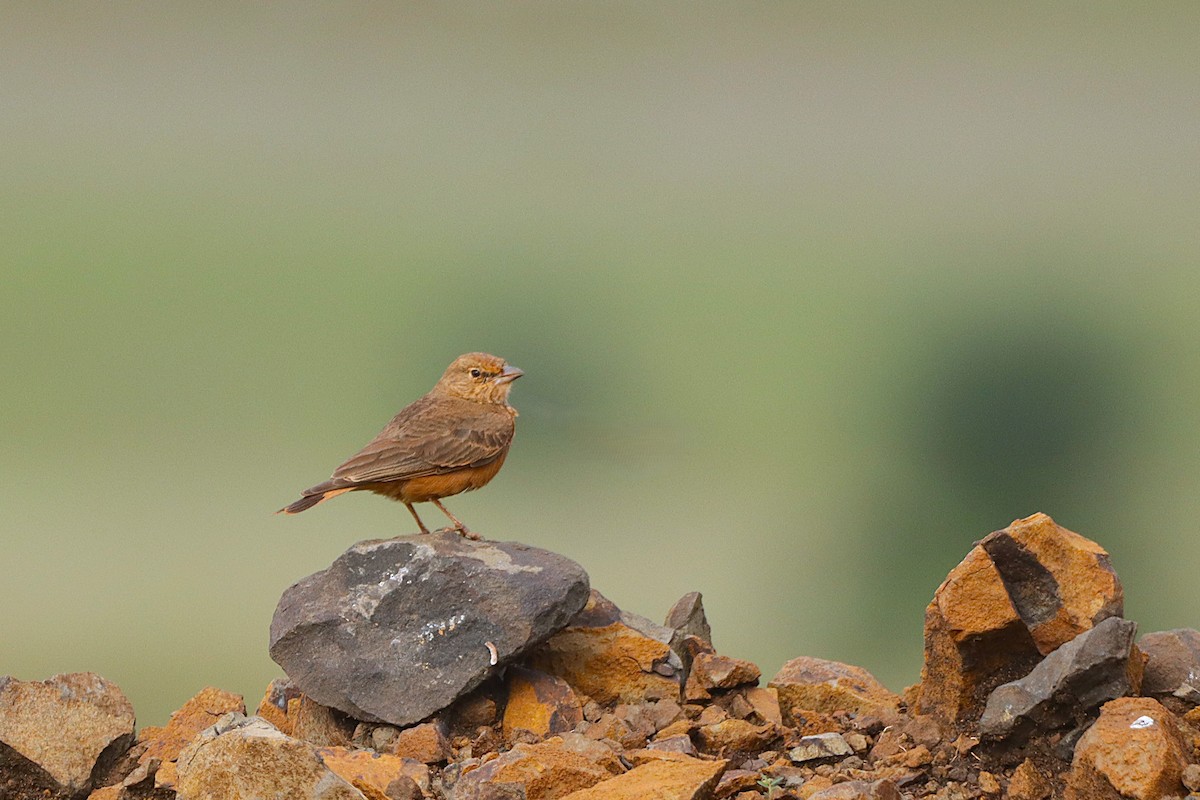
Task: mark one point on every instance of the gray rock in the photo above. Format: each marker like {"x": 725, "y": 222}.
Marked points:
{"x": 1067, "y": 685}
{"x": 820, "y": 747}
{"x": 687, "y": 618}
{"x": 395, "y": 630}
{"x": 1172, "y": 665}
{"x": 56, "y": 734}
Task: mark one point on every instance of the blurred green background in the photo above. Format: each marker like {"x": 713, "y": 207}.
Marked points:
{"x": 809, "y": 297}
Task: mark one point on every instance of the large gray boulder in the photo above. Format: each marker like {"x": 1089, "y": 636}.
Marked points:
{"x": 396, "y": 630}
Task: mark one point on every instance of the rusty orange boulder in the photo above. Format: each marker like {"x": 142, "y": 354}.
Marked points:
{"x": 1018, "y": 595}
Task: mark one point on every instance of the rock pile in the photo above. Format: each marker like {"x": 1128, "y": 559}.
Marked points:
{"x": 1032, "y": 688}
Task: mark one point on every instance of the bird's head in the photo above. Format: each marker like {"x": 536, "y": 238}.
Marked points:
{"x": 479, "y": 377}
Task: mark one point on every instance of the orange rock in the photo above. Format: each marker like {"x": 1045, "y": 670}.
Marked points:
{"x": 376, "y": 770}
{"x": 1028, "y": 783}
{"x": 242, "y": 757}
{"x": 543, "y": 771}
{"x": 60, "y": 731}
{"x": 317, "y": 724}
{"x": 683, "y": 779}
{"x": 808, "y": 684}
{"x": 764, "y": 701}
{"x": 714, "y": 671}
{"x": 426, "y": 743}
{"x": 540, "y": 704}
{"x": 1134, "y": 749}
{"x": 198, "y": 713}
{"x": 735, "y": 736}
{"x": 274, "y": 705}
{"x": 603, "y": 655}
{"x": 1019, "y": 594}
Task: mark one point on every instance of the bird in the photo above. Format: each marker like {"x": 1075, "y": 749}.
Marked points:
{"x": 452, "y": 440}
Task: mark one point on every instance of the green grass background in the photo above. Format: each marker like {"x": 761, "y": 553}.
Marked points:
{"x": 810, "y": 296}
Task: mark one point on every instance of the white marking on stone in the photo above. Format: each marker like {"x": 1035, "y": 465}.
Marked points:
{"x": 1141, "y": 722}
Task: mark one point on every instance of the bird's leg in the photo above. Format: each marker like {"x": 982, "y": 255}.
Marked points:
{"x": 458, "y": 526}
{"x": 413, "y": 511}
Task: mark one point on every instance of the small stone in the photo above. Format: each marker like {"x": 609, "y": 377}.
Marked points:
{"x": 988, "y": 783}
{"x": 764, "y": 702}
{"x": 1172, "y": 665}
{"x": 539, "y": 704}
{"x": 274, "y": 705}
{"x": 681, "y": 727}
{"x": 472, "y": 712}
{"x": 1018, "y": 595}
{"x": 378, "y": 770}
{"x": 612, "y": 656}
{"x": 714, "y": 671}
{"x": 917, "y": 757}
{"x": 57, "y": 733}
{"x": 663, "y": 713}
{"x": 814, "y": 684}
{"x": 674, "y": 744}
{"x": 1134, "y": 749}
{"x": 858, "y": 743}
{"x": 201, "y": 711}
{"x": 819, "y": 747}
{"x": 734, "y": 736}
{"x": 543, "y": 771}
{"x": 317, "y": 724}
{"x": 860, "y": 790}
{"x": 431, "y": 616}
{"x": 685, "y": 779}
{"x": 1068, "y": 684}
{"x": 242, "y": 758}
{"x": 1191, "y": 777}
{"x": 711, "y": 715}
{"x": 1028, "y": 783}
{"x": 426, "y": 743}
{"x": 734, "y": 781}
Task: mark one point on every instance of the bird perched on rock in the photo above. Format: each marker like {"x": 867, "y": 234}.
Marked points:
{"x": 452, "y": 440}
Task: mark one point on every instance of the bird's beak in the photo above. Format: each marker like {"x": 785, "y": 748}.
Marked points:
{"x": 508, "y": 374}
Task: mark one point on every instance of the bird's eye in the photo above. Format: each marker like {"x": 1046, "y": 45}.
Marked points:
{"x": 475, "y": 373}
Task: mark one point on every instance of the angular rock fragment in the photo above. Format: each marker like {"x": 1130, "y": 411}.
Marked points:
{"x": 539, "y": 704}
{"x": 734, "y": 736}
{"x": 395, "y": 630}
{"x": 686, "y": 618}
{"x": 682, "y": 779}
{"x": 860, "y": 790}
{"x": 364, "y": 769}
{"x": 1069, "y": 684}
{"x": 612, "y": 656}
{"x": 425, "y": 743}
{"x": 55, "y": 734}
{"x": 1134, "y": 749}
{"x": 1028, "y": 783}
{"x": 712, "y": 671}
{"x": 164, "y": 744}
{"x": 820, "y": 747}
{"x": 1172, "y": 666}
{"x": 816, "y": 685}
{"x": 274, "y": 705}
{"x": 543, "y": 771}
{"x": 243, "y": 758}
{"x": 1019, "y": 594}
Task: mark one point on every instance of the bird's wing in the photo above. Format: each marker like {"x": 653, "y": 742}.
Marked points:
{"x": 428, "y": 438}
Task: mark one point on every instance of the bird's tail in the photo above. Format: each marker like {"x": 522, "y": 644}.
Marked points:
{"x": 310, "y": 500}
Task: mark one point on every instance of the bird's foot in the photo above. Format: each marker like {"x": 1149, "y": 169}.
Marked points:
{"x": 461, "y": 530}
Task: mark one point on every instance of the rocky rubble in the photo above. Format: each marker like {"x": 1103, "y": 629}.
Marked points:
{"x": 1032, "y": 688}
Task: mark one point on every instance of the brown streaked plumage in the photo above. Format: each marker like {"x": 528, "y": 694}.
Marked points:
{"x": 452, "y": 440}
